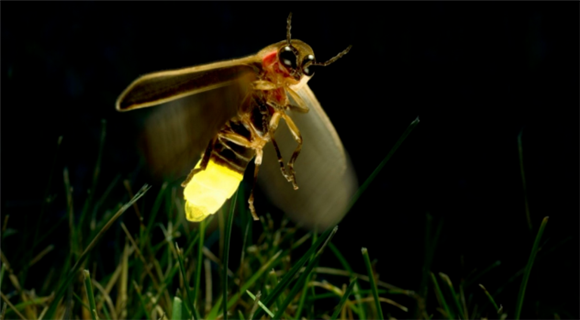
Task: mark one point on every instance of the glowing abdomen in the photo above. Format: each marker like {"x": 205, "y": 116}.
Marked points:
{"x": 209, "y": 189}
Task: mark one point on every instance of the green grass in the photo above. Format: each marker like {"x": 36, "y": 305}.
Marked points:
{"x": 156, "y": 269}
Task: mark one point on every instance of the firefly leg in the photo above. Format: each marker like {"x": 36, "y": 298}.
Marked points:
{"x": 300, "y": 106}
{"x": 274, "y": 121}
{"x": 271, "y": 127}
{"x": 257, "y": 163}
{"x": 298, "y": 138}
{"x": 280, "y": 160}
{"x": 241, "y": 140}
{"x": 202, "y": 165}
{"x": 237, "y": 139}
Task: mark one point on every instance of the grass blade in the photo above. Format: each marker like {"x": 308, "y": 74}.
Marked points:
{"x": 343, "y": 299}
{"x": 96, "y": 173}
{"x": 297, "y": 287}
{"x": 302, "y": 299}
{"x": 201, "y": 237}
{"x": 226, "y": 254}
{"x": 441, "y": 299}
{"x": 141, "y": 299}
{"x": 234, "y": 298}
{"x": 357, "y": 290}
{"x": 257, "y": 301}
{"x": 373, "y": 175}
{"x": 489, "y": 297}
{"x": 90, "y": 295}
{"x": 283, "y": 284}
{"x": 430, "y": 247}
{"x": 186, "y": 290}
{"x": 71, "y": 274}
{"x": 365, "y": 254}
{"x": 12, "y": 306}
{"x": 304, "y": 289}
{"x": 301, "y": 283}
{"x": 156, "y": 206}
{"x": 2, "y": 271}
{"x": 528, "y": 270}
{"x": 446, "y": 279}
{"x": 176, "y": 309}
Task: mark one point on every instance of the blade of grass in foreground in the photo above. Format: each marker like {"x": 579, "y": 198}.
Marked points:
{"x": 156, "y": 205}
{"x": 446, "y": 279}
{"x": 365, "y": 254}
{"x": 489, "y": 297}
{"x": 186, "y": 290}
{"x": 255, "y": 305}
{"x": 257, "y": 300}
{"x": 304, "y": 289}
{"x": 234, "y": 298}
{"x": 373, "y": 175}
{"x": 176, "y": 313}
{"x": 441, "y": 299}
{"x": 7, "y": 302}
{"x": 72, "y": 273}
{"x": 283, "y": 284}
{"x": 300, "y": 283}
{"x": 305, "y": 274}
{"x": 346, "y": 266}
{"x": 343, "y": 299}
{"x": 201, "y": 237}
{"x": 141, "y": 299}
{"x": 528, "y": 269}
{"x": 228, "y": 232}
{"x": 89, "y": 201}
{"x": 90, "y": 295}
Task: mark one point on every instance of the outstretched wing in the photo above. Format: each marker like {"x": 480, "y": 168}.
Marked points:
{"x": 324, "y": 174}
{"x": 164, "y": 86}
{"x": 194, "y": 103}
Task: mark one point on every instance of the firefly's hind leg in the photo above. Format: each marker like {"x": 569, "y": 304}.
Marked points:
{"x": 257, "y": 162}
{"x": 298, "y": 137}
{"x": 202, "y": 165}
{"x": 243, "y": 141}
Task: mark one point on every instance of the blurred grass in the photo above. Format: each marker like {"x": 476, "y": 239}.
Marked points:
{"x": 155, "y": 269}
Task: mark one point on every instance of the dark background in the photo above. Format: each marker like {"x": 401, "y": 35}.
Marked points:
{"x": 476, "y": 74}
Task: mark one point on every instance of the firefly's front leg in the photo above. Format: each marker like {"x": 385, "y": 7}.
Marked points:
{"x": 273, "y": 125}
{"x": 296, "y": 133}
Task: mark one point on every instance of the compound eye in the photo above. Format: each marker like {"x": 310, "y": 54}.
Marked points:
{"x": 287, "y": 57}
{"x": 307, "y": 65}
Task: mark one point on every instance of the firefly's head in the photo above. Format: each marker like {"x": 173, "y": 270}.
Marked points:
{"x": 296, "y": 58}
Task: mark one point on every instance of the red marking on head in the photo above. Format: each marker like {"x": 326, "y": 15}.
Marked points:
{"x": 270, "y": 59}
{"x": 270, "y": 62}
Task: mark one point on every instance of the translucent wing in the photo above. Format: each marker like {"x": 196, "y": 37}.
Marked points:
{"x": 159, "y": 87}
{"x": 324, "y": 173}
{"x": 194, "y": 103}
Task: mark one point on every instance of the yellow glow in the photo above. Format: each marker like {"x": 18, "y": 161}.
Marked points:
{"x": 209, "y": 189}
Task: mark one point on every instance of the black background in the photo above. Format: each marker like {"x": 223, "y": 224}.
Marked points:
{"x": 476, "y": 74}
